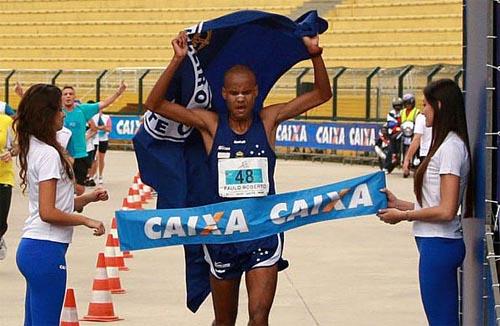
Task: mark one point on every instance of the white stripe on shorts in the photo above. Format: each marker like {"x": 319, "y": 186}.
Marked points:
{"x": 208, "y": 259}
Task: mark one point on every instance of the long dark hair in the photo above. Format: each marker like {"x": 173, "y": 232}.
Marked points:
{"x": 36, "y": 117}
{"x": 447, "y": 102}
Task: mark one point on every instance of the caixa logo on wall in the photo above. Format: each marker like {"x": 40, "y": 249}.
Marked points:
{"x": 327, "y": 135}
{"x": 124, "y": 127}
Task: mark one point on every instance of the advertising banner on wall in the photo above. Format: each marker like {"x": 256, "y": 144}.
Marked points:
{"x": 317, "y": 135}
{"x": 328, "y": 135}
{"x": 124, "y": 127}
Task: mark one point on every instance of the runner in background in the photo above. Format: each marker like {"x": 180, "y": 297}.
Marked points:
{"x": 104, "y": 126}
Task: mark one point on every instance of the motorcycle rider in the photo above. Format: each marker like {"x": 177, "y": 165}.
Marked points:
{"x": 394, "y": 115}
{"x": 408, "y": 118}
{"x": 410, "y": 111}
{"x": 394, "y": 131}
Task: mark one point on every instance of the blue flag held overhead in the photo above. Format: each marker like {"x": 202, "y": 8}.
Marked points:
{"x": 171, "y": 156}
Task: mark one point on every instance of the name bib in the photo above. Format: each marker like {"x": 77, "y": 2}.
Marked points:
{"x": 243, "y": 177}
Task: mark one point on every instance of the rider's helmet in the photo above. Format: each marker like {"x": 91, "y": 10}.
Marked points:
{"x": 397, "y": 103}
{"x": 409, "y": 100}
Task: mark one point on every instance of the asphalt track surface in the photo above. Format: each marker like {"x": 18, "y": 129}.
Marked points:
{"x": 356, "y": 271}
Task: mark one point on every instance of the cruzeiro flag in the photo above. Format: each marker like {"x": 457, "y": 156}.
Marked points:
{"x": 171, "y": 156}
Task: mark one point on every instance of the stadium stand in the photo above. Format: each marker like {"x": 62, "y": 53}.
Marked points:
{"x": 125, "y": 36}
{"x": 389, "y": 34}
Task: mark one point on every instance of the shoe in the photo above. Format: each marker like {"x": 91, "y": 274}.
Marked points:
{"x": 3, "y": 249}
{"x": 90, "y": 183}
{"x": 100, "y": 181}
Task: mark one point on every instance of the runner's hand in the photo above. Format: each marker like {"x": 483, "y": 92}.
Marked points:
{"x": 312, "y": 45}
{"x": 180, "y": 45}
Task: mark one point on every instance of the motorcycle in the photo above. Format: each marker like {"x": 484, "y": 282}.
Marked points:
{"x": 407, "y": 137}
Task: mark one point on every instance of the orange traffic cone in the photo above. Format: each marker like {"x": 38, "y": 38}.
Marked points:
{"x": 125, "y": 206}
{"x": 69, "y": 314}
{"x": 147, "y": 191}
{"x": 142, "y": 193}
{"x": 135, "y": 193}
{"x": 144, "y": 200}
{"x": 120, "y": 255}
{"x": 114, "y": 282}
{"x": 101, "y": 304}
{"x": 116, "y": 244}
{"x": 133, "y": 199}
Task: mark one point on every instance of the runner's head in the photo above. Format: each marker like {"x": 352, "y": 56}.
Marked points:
{"x": 240, "y": 91}
{"x": 68, "y": 96}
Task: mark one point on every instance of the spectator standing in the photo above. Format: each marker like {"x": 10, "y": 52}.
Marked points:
{"x": 422, "y": 138}
{"x": 104, "y": 126}
{"x": 76, "y": 119}
{"x": 48, "y": 176}
{"x": 7, "y": 152}
{"x": 440, "y": 183}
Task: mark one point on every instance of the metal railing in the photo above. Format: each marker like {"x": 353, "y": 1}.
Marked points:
{"x": 492, "y": 231}
{"x": 359, "y": 94}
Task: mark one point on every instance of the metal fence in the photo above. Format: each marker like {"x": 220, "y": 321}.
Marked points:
{"x": 359, "y": 94}
{"x": 492, "y": 234}
{"x": 366, "y": 94}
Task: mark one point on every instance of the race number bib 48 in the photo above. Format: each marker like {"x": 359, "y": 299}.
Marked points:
{"x": 243, "y": 177}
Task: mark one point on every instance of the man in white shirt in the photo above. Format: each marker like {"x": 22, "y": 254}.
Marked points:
{"x": 422, "y": 138}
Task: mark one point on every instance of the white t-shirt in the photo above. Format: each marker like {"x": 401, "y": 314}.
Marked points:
{"x": 91, "y": 142}
{"x": 106, "y": 120}
{"x": 450, "y": 158}
{"x": 44, "y": 163}
{"x": 63, "y": 136}
{"x": 426, "y": 132}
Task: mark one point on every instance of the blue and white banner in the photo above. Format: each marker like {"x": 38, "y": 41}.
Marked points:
{"x": 328, "y": 135}
{"x": 292, "y": 133}
{"x": 124, "y": 126}
{"x": 249, "y": 219}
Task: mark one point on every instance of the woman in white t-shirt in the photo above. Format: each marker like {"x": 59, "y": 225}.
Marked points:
{"x": 49, "y": 178}
{"x": 439, "y": 185}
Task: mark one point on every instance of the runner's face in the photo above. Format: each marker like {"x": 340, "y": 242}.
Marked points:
{"x": 239, "y": 92}
{"x": 68, "y": 97}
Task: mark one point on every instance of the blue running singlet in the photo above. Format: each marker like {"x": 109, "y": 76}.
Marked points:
{"x": 229, "y": 261}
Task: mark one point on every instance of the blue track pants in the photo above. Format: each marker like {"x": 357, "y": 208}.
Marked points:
{"x": 439, "y": 260}
{"x": 43, "y": 265}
